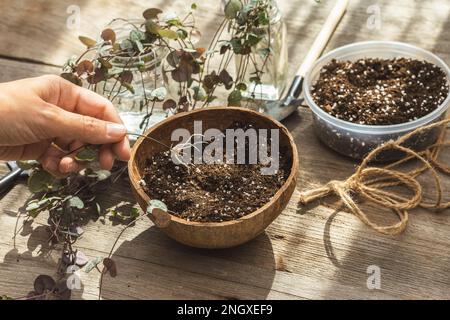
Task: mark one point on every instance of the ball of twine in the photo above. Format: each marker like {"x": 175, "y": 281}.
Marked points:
{"x": 370, "y": 182}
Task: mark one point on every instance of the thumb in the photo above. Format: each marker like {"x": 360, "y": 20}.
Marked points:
{"x": 87, "y": 129}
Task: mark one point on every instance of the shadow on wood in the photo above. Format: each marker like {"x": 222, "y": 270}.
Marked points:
{"x": 157, "y": 267}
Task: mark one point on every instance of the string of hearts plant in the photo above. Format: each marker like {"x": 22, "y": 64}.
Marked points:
{"x": 68, "y": 201}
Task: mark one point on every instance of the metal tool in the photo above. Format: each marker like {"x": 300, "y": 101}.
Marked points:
{"x": 280, "y": 109}
{"x": 8, "y": 180}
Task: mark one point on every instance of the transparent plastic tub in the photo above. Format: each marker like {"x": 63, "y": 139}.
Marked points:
{"x": 356, "y": 140}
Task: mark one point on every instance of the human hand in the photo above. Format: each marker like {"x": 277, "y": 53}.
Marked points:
{"x": 38, "y": 113}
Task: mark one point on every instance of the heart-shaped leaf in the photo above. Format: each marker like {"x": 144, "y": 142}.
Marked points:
{"x": 44, "y": 283}
{"x": 81, "y": 259}
{"x": 158, "y": 210}
{"x": 109, "y": 35}
{"x": 151, "y": 13}
{"x": 72, "y": 78}
{"x": 76, "y": 202}
{"x": 39, "y": 180}
{"x": 110, "y": 266}
{"x": 159, "y": 93}
{"x": 85, "y": 66}
{"x": 169, "y": 104}
{"x": 92, "y": 264}
{"x": 232, "y": 8}
{"x": 167, "y": 33}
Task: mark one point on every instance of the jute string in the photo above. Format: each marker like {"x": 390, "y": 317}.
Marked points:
{"x": 371, "y": 182}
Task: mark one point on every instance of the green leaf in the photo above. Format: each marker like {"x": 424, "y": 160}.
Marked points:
{"x": 102, "y": 174}
{"x": 241, "y": 86}
{"x": 159, "y": 93}
{"x": 39, "y": 180}
{"x": 156, "y": 204}
{"x": 87, "y": 154}
{"x": 152, "y": 27}
{"x": 199, "y": 93}
{"x": 232, "y": 8}
{"x": 76, "y": 202}
{"x": 137, "y": 35}
{"x": 88, "y": 42}
{"x": 126, "y": 45}
{"x": 253, "y": 39}
{"x": 235, "y": 97}
{"x": 134, "y": 213}
{"x": 167, "y": 33}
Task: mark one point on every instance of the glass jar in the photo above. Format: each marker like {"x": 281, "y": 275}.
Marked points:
{"x": 270, "y": 56}
{"x": 136, "y": 114}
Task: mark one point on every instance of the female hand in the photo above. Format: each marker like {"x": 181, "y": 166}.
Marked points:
{"x": 38, "y": 113}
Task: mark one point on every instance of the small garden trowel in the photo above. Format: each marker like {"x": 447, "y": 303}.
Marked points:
{"x": 280, "y": 109}
{"x": 8, "y": 180}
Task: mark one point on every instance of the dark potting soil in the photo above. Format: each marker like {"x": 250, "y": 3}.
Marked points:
{"x": 211, "y": 192}
{"x": 380, "y": 91}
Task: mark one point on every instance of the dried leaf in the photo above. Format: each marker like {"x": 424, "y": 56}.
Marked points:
{"x": 72, "y": 78}
{"x": 88, "y": 42}
{"x": 105, "y": 63}
{"x": 169, "y": 104}
{"x": 226, "y": 79}
{"x": 110, "y": 266}
{"x": 151, "y": 13}
{"x": 85, "y": 66}
{"x": 126, "y": 76}
{"x": 44, "y": 283}
{"x": 109, "y": 35}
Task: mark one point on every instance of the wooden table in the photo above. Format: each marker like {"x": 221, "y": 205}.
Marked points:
{"x": 307, "y": 253}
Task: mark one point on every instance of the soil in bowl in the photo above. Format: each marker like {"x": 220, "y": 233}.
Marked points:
{"x": 212, "y": 192}
{"x": 375, "y": 92}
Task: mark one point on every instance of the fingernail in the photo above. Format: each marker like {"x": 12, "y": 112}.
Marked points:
{"x": 70, "y": 167}
{"x": 115, "y": 130}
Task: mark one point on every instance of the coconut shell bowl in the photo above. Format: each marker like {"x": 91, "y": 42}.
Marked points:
{"x": 212, "y": 235}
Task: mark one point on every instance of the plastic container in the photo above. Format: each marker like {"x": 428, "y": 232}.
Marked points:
{"x": 356, "y": 140}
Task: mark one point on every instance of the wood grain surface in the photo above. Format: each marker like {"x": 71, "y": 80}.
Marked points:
{"x": 315, "y": 252}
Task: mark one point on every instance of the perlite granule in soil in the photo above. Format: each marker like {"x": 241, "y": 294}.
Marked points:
{"x": 211, "y": 192}
{"x": 378, "y": 92}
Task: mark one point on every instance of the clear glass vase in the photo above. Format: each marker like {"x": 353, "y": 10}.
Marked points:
{"x": 270, "y": 56}
{"x": 147, "y": 76}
